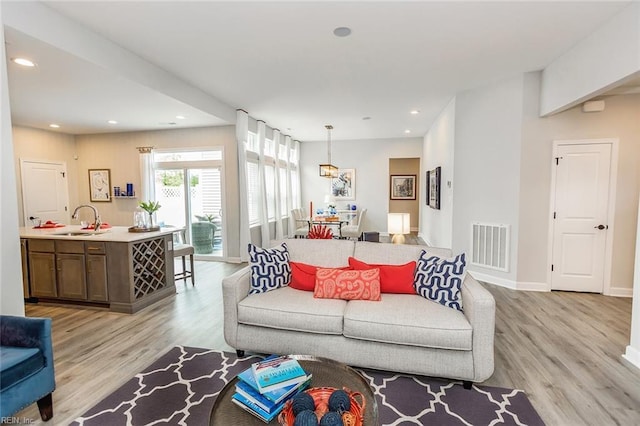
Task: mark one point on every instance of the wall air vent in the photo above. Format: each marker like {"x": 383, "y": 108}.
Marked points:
{"x": 490, "y": 246}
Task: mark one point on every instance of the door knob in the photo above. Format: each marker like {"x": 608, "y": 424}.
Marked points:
{"x": 601, "y": 227}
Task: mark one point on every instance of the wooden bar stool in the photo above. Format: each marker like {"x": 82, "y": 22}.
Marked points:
{"x": 181, "y": 249}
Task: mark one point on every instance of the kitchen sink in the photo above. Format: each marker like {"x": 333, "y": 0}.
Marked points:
{"x": 75, "y": 234}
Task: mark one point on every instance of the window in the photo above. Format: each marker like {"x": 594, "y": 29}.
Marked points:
{"x": 270, "y": 184}
{"x": 272, "y": 180}
{"x": 253, "y": 189}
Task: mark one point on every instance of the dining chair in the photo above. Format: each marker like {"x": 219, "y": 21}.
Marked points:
{"x": 354, "y": 231}
{"x": 300, "y": 224}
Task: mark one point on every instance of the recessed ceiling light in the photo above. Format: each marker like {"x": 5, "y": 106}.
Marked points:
{"x": 112, "y": 122}
{"x": 366, "y": 118}
{"x": 342, "y": 32}
{"x": 55, "y": 126}
{"x": 407, "y": 131}
{"x": 414, "y": 112}
{"x": 24, "y": 62}
{"x": 180, "y": 117}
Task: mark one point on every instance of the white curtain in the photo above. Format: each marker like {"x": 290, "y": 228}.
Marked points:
{"x": 242, "y": 133}
{"x": 264, "y": 211}
{"x": 279, "y": 213}
{"x": 147, "y": 174}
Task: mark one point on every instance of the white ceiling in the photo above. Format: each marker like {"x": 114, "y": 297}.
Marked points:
{"x": 281, "y": 62}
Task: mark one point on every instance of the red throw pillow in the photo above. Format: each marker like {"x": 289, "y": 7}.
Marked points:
{"x": 347, "y": 284}
{"x": 303, "y": 276}
{"x": 393, "y": 278}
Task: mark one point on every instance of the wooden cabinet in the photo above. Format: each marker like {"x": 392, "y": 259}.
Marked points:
{"x": 42, "y": 268}
{"x": 96, "y": 259}
{"x": 42, "y": 274}
{"x": 71, "y": 276}
{"x": 124, "y": 275}
{"x": 66, "y": 269}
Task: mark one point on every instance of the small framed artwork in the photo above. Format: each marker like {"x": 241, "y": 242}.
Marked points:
{"x": 433, "y": 188}
{"x": 99, "y": 185}
{"x": 343, "y": 187}
{"x": 403, "y": 187}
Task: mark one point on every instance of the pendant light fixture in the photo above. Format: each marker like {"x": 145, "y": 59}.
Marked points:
{"x": 328, "y": 170}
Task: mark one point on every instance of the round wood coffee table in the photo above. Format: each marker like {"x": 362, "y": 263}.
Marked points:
{"x": 326, "y": 373}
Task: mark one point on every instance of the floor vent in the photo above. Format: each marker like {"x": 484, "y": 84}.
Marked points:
{"x": 490, "y": 247}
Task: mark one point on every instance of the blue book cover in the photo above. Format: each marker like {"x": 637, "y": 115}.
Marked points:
{"x": 276, "y": 373}
{"x": 275, "y": 395}
{"x": 266, "y": 404}
{"x": 255, "y": 409}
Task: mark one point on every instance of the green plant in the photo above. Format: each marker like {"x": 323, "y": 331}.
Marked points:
{"x": 205, "y": 217}
{"x": 150, "y": 206}
{"x": 172, "y": 178}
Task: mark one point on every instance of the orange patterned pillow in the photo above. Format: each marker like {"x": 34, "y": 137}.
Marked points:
{"x": 347, "y": 284}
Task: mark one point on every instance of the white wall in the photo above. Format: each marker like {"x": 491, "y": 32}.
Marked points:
{"x": 36, "y": 144}
{"x": 604, "y": 58}
{"x": 620, "y": 119}
{"x": 11, "y": 294}
{"x": 438, "y": 149}
{"x": 488, "y": 124}
{"x": 370, "y": 159}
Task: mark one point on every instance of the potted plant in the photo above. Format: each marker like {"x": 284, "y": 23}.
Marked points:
{"x": 150, "y": 207}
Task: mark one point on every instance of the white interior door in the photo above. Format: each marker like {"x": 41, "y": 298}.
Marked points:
{"x": 44, "y": 191}
{"x": 582, "y": 177}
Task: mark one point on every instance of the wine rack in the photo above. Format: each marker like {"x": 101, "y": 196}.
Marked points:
{"x": 149, "y": 267}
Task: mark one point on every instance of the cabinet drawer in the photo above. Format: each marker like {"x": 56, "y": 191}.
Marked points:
{"x": 70, "y": 246}
{"x": 95, "y": 247}
{"x": 47, "y": 246}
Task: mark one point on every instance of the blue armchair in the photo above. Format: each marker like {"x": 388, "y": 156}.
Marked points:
{"x": 26, "y": 365}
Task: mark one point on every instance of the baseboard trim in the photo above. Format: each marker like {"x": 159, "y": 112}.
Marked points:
{"x": 493, "y": 280}
{"x": 513, "y": 285}
{"x": 620, "y": 292}
{"x": 633, "y": 356}
{"x": 532, "y": 286}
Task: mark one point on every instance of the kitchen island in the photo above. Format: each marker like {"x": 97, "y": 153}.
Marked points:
{"x": 124, "y": 271}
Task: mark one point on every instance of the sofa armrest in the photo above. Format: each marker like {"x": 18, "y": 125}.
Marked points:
{"x": 26, "y": 332}
{"x": 480, "y": 309}
{"x": 235, "y": 288}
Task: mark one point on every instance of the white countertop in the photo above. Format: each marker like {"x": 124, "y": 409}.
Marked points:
{"x": 113, "y": 234}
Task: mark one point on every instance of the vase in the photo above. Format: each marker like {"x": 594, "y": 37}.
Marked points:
{"x": 152, "y": 222}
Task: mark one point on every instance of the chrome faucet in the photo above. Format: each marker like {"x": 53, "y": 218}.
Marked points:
{"x": 96, "y": 217}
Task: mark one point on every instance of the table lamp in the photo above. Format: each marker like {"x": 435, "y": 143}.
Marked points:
{"x": 398, "y": 224}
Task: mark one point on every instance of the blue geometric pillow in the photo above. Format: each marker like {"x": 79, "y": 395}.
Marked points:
{"x": 269, "y": 268}
{"x": 440, "y": 279}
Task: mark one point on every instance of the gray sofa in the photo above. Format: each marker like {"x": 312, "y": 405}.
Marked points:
{"x": 402, "y": 332}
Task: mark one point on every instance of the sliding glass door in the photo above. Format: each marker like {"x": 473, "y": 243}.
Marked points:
{"x": 191, "y": 197}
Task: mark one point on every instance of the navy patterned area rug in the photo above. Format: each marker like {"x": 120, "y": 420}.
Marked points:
{"x": 182, "y": 385}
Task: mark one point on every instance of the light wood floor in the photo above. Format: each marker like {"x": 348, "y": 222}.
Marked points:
{"x": 563, "y": 349}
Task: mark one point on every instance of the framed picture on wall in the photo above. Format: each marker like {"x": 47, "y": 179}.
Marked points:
{"x": 403, "y": 187}
{"x": 99, "y": 185}
{"x": 343, "y": 187}
{"x": 433, "y": 188}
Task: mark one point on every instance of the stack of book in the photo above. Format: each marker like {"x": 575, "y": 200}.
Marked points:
{"x": 263, "y": 389}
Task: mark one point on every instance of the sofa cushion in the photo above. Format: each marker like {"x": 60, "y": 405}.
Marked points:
{"x": 408, "y": 320}
{"x": 347, "y": 285}
{"x": 322, "y": 253}
{"x": 393, "y": 278}
{"x": 440, "y": 279}
{"x": 290, "y": 309}
{"x": 19, "y": 363}
{"x": 269, "y": 268}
